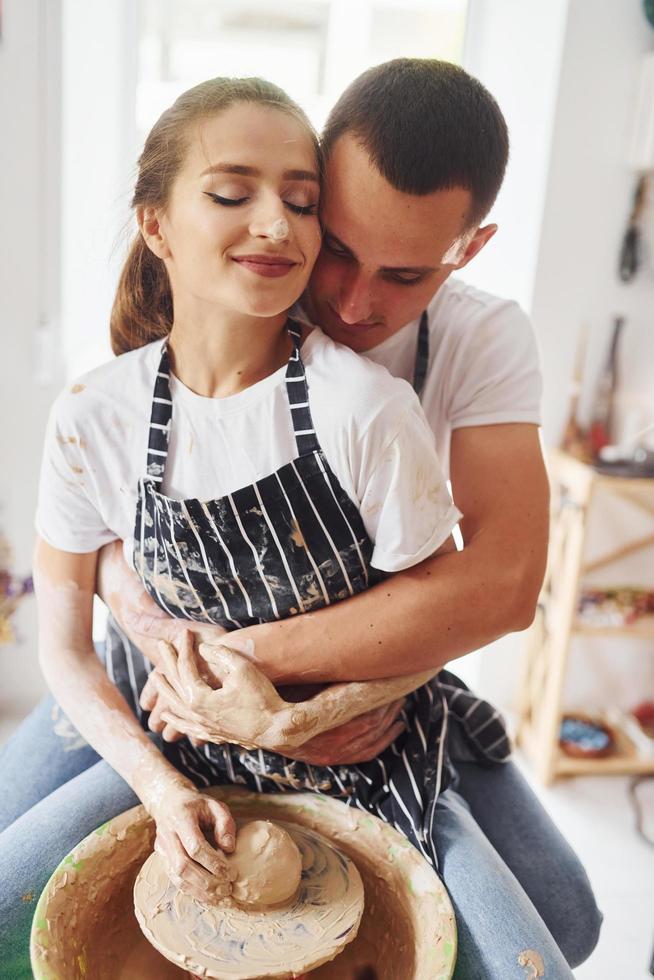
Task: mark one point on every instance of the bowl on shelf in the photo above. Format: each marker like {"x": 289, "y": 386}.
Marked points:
{"x": 585, "y": 737}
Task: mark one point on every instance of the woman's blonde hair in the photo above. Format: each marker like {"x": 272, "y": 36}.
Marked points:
{"x": 143, "y": 306}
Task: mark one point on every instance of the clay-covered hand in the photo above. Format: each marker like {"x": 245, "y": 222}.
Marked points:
{"x": 248, "y": 710}
{"x": 359, "y": 740}
{"x": 154, "y": 703}
{"x": 245, "y": 708}
{"x": 185, "y": 818}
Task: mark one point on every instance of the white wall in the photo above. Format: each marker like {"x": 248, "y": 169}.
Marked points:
{"x": 30, "y": 371}
{"x": 514, "y": 48}
{"x": 589, "y": 194}
{"x": 100, "y": 49}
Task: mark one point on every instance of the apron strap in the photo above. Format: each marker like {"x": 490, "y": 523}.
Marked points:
{"x": 297, "y": 391}
{"x": 160, "y": 419}
{"x": 162, "y": 409}
{"x": 422, "y": 355}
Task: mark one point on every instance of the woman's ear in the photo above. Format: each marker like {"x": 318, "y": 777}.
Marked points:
{"x": 149, "y": 222}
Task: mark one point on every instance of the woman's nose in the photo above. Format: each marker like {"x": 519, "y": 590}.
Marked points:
{"x": 270, "y": 222}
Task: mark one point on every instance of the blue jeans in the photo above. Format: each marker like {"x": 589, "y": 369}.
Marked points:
{"x": 514, "y": 882}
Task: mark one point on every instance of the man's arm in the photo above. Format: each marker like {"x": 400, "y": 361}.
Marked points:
{"x": 448, "y": 605}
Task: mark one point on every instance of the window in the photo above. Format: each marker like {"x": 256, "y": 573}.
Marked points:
{"x": 312, "y": 49}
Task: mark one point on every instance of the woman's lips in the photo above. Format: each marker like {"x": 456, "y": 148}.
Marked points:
{"x": 270, "y": 266}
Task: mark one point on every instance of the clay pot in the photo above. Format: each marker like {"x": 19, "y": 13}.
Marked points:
{"x": 84, "y": 925}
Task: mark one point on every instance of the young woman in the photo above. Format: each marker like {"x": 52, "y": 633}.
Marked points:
{"x": 255, "y": 469}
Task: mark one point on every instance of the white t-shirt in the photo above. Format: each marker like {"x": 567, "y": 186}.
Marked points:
{"x": 369, "y": 425}
{"x": 484, "y": 366}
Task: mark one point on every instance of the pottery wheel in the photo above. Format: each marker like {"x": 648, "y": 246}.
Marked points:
{"x": 227, "y": 942}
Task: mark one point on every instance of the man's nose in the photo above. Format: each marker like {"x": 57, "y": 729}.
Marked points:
{"x": 355, "y": 299}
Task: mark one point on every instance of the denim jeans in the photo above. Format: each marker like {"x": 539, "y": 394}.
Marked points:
{"x": 514, "y": 882}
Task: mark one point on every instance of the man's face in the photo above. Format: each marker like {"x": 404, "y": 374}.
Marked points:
{"x": 384, "y": 253}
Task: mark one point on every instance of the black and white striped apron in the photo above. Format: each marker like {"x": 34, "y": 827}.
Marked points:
{"x": 290, "y": 542}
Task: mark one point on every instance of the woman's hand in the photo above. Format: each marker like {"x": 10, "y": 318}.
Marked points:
{"x": 186, "y": 821}
{"x": 245, "y": 708}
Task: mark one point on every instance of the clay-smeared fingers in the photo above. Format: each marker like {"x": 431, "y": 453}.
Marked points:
{"x": 172, "y": 698}
{"x": 227, "y": 664}
{"x": 171, "y": 734}
{"x": 169, "y": 666}
{"x": 215, "y": 817}
{"x": 386, "y": 715}
{"x": 187, "y": 665}
{"x": 148, "y": 697}
{"x": 193, "y": 730}
{"x": 155, "y": 722}
{"x": 238, "y": 676}
{"x": 190, "y": 878}
{"x": 200, "y": 850}
{"x": 222, "y": 823}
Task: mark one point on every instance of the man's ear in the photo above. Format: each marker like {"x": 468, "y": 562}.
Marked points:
{"x": 476, "y": 243}
{"x": 149, "y": 223}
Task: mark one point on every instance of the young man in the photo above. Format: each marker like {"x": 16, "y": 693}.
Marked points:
{"x": 415, "y": 155}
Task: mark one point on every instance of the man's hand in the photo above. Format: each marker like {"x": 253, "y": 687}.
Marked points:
{"x": 358, "y": 740}
{"x": 245, "y": 708}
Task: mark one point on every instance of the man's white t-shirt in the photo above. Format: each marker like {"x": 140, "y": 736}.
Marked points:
{"x": 484, "y": 366}
{"x": 370, "y": 427}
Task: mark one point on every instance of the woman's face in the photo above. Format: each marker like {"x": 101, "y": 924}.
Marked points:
{"x": 241, "y": 228}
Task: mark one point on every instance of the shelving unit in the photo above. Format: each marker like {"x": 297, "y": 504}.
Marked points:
{"x": 540, "y": 709}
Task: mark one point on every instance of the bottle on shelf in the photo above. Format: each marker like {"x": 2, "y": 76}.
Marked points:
{"x": 602, "y": 419}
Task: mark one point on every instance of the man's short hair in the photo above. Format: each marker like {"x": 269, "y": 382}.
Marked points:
{"x": 428, "y": 126}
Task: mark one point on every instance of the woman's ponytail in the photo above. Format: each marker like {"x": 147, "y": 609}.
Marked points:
{"x": 143, "y": 306}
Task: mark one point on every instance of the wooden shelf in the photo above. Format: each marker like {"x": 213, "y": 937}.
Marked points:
{"x": 570, "y": 468}
{"x": 575, "y": 487}
{"x": 626, "y": 760}
{"x": 642, "y": 629}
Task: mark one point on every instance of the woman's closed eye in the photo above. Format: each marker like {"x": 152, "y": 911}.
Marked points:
{"x": 233, "y": 202}
{"x": 228, "y": 202}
